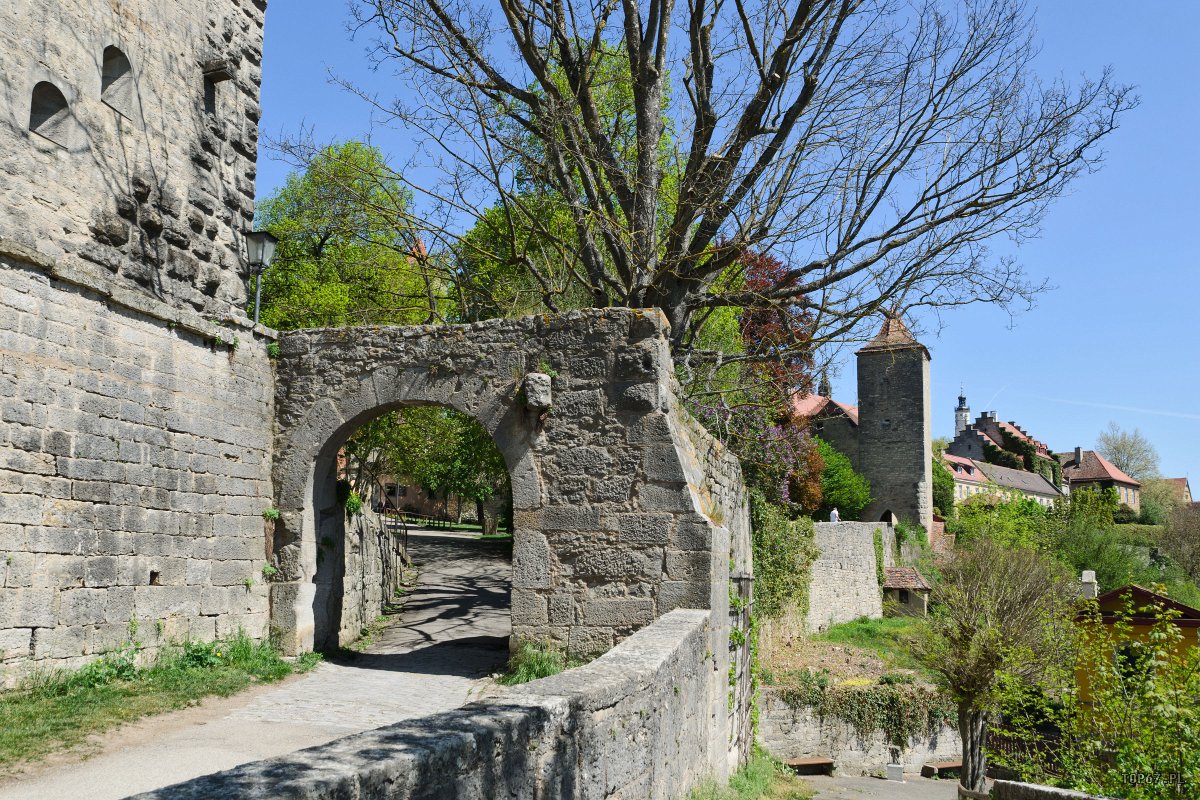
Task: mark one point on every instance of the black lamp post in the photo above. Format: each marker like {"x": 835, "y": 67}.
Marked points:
{"x": 260, "y": 249}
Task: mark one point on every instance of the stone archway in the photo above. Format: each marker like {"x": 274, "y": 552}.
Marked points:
{"x": 624, "y": 509}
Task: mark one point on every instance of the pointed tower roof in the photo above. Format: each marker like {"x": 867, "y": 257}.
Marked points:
{"x": 894, "y": 335}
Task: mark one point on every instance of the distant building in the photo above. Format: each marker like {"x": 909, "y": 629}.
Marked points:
{"x": 979, "y": 477}
{"x": 907, "y": 589}
{"x": 1087, "y": 468}
{"x": 1182, "y": 491}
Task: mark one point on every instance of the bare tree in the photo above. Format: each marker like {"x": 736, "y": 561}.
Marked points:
{"x": 874, "y": 146}
{"x": 1000, "y": 616}
{"x": 1129, "y": 451}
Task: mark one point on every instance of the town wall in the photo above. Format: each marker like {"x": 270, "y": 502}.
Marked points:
{"x": 642, "y": 721}
{"x": 135, "y": 452}
{"x": 786, "y": 732}
{"x": 844, "y": 582}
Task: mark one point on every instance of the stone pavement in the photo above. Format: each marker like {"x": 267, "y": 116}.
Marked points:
{"x": 453, "y": 632}
{"x": 864, "y": 788}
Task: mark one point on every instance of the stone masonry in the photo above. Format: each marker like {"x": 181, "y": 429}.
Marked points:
{"x": 620, "y": 514}
{"x": 894, "y": 447}
{"x": 145, "y": 174}
{"x": 134, "y": 469}
{"x": 845, "y": 583}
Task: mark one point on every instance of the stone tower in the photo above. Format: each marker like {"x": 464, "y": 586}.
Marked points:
{"x": 128, "y": 142}
{"x": 894, "y": 448}
{"x": 962, "y": 414}
{"x": 136, "y": 395}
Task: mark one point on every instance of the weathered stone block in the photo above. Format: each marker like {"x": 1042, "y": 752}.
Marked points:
{"x": 529, "y": 608}
{"x": 31, "y": 608}
{"x": 571, "y": 518}
{"x": 531, "y": 560}
{"x": 618, "y": 612}
{"x": 82, "y": 606}
{"x": 644, "y": 528}
{"x": 538, "y": 394}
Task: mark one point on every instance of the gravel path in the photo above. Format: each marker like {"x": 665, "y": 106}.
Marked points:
{"x": 453, "y": 632}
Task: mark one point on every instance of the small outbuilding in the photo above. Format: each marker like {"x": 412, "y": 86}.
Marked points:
{"x": 907, "y": 591}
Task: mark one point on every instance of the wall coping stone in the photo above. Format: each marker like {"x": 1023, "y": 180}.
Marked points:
{"x": 1014, "y": 790}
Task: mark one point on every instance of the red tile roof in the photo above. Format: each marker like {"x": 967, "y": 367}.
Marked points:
{"x": 975, "y": 475}
{"x": 1094, "y": 467}
{"x": 904, "y": 578}
{"x": 1183, "y": 491}
{"x": 814, "y": 405}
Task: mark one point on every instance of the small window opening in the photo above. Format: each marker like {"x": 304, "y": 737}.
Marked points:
{"x": 116, "y": 82}
{"x": 210, "y": 96}
{"x": 904, "y": 596}
{"x": 154, "y": 581}
{"x": 49, "y": 114}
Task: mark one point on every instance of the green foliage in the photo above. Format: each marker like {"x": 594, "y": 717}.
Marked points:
{"x": 1136, "y": 732}
{"x": 345, "y": 242}
{"x": 890, "y": 638}
{"x": 783, "y": 553}
{"x": 354, "y": 503}
{"x": 1124, "y": 515}
{"x": 1002, "y": 458}
{"x": 880, "y": 568}
{"x": 1016, "y": 522}
{"x": 899, "y": 708}
{"x": 54, "y": 711}
{"x": 273, "y": 350}
{"x": 943, "y": 489}
{"x": 533, "y": 660}
{"x": 841, "y": 487}
{"x": 271, "y": 513}
{"x": 761, "y": 778}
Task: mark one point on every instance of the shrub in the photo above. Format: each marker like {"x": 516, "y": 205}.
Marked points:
{"x": 841, "y": 487}
{"x": 534, "y": 660}
{"x": 783, "y": 553}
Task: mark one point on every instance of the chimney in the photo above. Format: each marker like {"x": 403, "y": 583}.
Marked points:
{"x": 1090, "y": 588}
{"x": 1079, "y": 459}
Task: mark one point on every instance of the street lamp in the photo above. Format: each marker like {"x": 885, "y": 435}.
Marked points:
{"x": 260, "y": 249}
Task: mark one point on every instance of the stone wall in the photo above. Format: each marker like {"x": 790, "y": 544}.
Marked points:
{"x": 371, "y": 560}
{"x": 146, "y": 176}
{"x": 639, "y": 722}
{"x": 134, "y": 468}
{"x": 845, "y": 582}
{"x": 788, "y": 732}
{"x": 1012, "y": 790}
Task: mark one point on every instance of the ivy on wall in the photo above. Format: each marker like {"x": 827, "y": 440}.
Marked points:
{"x": 901, "y": 711}
{"x": 784, "y": 550}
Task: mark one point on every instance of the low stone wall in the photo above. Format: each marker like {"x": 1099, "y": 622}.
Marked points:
{"x": 845, "y": 583}
{"x": 788, "y": 732}
{"x": 635, "y": 723}
{"x": 373, "y": 560}
{"x": 1011, "y": 790}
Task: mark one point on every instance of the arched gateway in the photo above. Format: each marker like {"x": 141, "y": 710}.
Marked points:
{"x": 624, "y": 508}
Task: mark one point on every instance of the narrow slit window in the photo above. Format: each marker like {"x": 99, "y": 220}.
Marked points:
{"x": 49, "y": 114}
{"x": 116, "y": 82}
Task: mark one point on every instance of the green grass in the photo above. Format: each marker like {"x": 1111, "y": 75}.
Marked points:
{"x": 885, "y": 637}
{"x": 534, "y": 660}
{"x": 496, "y": 537}
{"x": 56, "y": 710}
{"x": 762, "y": 778}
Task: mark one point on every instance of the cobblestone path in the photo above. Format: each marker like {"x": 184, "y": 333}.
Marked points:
{"x": 453, "y": 632}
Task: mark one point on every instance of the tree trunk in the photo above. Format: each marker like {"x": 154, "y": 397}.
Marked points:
{"x": 972, "y": 727}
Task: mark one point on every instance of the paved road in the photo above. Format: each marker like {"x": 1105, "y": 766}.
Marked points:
{"x": 848, "y": 788}
{"x": 453, "y": 632}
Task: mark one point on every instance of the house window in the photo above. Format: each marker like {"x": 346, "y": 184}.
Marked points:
{"x": 49, "y": 114}
{"x": 116, "y": 82}
{"x": 904, "y": 597}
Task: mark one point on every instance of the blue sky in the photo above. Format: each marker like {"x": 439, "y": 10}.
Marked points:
{"x": 1115, "y": 341}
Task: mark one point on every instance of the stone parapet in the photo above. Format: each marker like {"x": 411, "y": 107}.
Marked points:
{"x": 635, "y": 723}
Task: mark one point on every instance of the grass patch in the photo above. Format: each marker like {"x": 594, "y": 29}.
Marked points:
{"x": 55, "y": 710}
{"x": 496, "y": 537}
{"x": 762, "y": 778}
{"x": 535, "y": 660}
{"x": 888, "y": 638}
